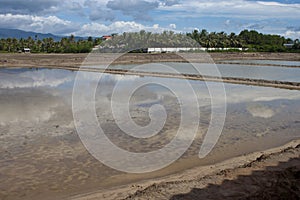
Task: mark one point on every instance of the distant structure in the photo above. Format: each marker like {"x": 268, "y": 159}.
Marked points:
{"x": 96, "y": 48}
{"x": 26, "y": 50}
{"x": 289, "y": 46}
{"x": 170, "y": 50}
{"x": 107, "y": 37}
{"x": 185, "y": 49}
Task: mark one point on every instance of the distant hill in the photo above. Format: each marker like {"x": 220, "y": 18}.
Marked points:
{"x": 15, "y": 33}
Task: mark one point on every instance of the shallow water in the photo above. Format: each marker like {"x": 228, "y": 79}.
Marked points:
{"x": 224, "y": 70}
{"x": 42, "y": 157}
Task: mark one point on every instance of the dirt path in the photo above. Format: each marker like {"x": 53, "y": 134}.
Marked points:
{"x": 232, "y": 80}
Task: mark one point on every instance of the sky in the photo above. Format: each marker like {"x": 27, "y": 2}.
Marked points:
{"x": 102, "y": 17}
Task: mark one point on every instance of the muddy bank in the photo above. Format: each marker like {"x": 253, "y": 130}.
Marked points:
{"x": 262, "y": 175}
{"x": 41, "y": 60}
{"x": 75, "y": 60}
{"x": 256, "y": 56}
{"x": 254, "y": 64}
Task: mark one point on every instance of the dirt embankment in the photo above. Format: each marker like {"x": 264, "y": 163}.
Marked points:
{"x": 232, "y": 80}
{"x": 41, "y": 60}
{"x": 256, "y": 56}
{"x": 272, "y": 174}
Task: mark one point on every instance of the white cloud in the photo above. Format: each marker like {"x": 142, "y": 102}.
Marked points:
{"x": 172, "y": 26}
{"x": 98, "y": 29}
{"x": 56, "y": 25}
{"x": 156, "y": 26}
{"x": 40, "y": 24}
{"x": 101, "y": 16}
{"x": 273, "y": 3}
{"x": 233, "y": 8}
{"x": 292, "y": 34}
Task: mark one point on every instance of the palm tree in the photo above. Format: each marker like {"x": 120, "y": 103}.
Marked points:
{"x": 9, "y": 41}
{"x": 72, "y": 38}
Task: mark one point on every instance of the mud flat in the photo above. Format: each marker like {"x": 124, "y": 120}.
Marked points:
{"x": 42, "y": 157}
{"x": 75, "y": 60}
{"x": 269, "y": 174}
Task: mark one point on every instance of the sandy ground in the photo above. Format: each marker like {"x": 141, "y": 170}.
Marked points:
{"x": 75, "y": 60}
{"x": 271, "y": 174}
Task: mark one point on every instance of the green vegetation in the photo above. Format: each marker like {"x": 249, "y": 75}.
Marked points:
{"x": 136, "y": 42}
{"x": 250, "y": 40}
{"x": 247, "y": 40}
{"x": 48, "y": 45}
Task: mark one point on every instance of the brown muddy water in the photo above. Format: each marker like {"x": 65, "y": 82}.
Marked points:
{"x": 42, "y": 157}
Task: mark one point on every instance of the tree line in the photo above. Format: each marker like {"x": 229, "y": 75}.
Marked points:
{"x": 138, "y": 41}
{"x": 49, "y": 45}
{"x": 248, "y": 40}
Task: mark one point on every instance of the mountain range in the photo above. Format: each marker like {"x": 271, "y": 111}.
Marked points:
{"x": 18, "y": 34}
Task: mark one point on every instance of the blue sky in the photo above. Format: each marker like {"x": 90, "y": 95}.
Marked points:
{"x": 100, "y": 17}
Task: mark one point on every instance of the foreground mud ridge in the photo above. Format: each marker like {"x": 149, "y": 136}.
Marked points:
{"x": 271, "y": 174}
{"x": 273, "y": 182}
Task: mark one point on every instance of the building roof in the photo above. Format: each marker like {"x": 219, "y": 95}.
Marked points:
{"x": 107, "y": 37}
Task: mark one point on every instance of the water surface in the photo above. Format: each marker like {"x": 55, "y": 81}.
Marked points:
{"x": 42, "y": 157}
{"x": 271, "y": 73}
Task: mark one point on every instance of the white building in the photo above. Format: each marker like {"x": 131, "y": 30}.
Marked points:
{"x": 288, "y": 45}
{"x": 26, "y": 50}
{"x": 175, "y": 49}
{"x": 186, "y": 49}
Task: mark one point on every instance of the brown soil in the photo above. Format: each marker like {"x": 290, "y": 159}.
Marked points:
{"x": 273, "y": 174}
{"x": 256, "y": 56}
{"x": 75, "y": 60}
